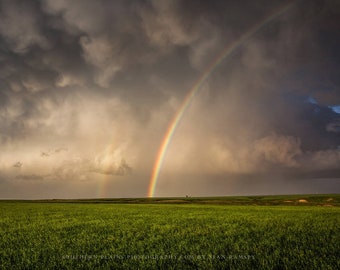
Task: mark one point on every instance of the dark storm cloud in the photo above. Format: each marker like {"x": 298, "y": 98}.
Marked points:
{"x": 312, "y": 123}
{"x": 98, "y": 39}
{"x": 20, "y": 25}
{"x": 74, "y": 72}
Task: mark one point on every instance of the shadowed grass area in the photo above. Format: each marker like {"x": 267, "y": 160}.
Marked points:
{"x": 169, "y": 236}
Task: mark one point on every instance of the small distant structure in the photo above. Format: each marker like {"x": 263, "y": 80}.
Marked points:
{"x": 302, "y": 201}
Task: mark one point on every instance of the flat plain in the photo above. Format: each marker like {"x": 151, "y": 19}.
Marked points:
{"x": 257, "y": 232}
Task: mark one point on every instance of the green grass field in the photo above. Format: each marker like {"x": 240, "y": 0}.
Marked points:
{"x": 213, "y": 234}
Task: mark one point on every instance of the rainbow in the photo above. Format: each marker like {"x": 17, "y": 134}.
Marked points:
{"x": 227, "y": 51}
{"x": 103, "y": 187}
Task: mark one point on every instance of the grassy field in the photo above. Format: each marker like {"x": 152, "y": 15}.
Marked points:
{"x": 310, "y": 200}
{"x": 172, "y": 234}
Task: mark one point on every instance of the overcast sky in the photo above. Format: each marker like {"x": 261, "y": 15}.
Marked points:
{"x": 88, "y": 89}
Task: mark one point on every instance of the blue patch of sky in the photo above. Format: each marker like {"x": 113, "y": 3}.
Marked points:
{"x": 335, "y": 108}
{"x": 308, "y": 99}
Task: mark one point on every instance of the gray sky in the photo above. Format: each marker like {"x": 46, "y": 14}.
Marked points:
{"x": 88, "y": 89}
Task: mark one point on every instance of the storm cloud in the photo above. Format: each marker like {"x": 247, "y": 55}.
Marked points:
{"x": 88, "y": 89}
